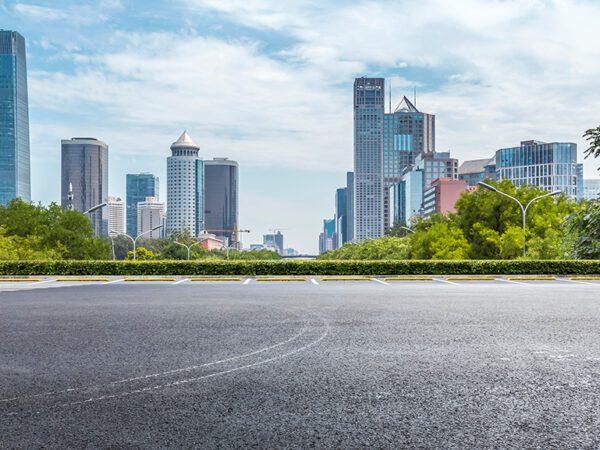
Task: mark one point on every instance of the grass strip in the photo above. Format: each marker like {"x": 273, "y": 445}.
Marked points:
{"x": 470, "y": 278}
{"x": 408, "y": 279}
{"x": 215, "y": 279}
{"x": 281, "y": 279}
{"x": 82, "y": 279}
{"x": 150, "y": 279}
{"x": 531, "y": 278}
{"x": 345, "y": 279}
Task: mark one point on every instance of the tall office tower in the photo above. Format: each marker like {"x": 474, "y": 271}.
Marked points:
{"x": 150, "y": 215}
{"x": 369, "y": 112}
{"x": 350, "y": 206}
{"x": 274, "y": 240}
{"x": 221, "y": 198}
{"x": 139, "y": 186}
{"x": 327, "y": 237}
{"x": 552, "y": 167}
{"x": 185, "y": 191}
{"x": 115, "y": 216}
{"x": 84, "y": 167}
{"x": 15, "y": 175}
{"x": 408, "y": 134}
{"x": 341, "y": 216}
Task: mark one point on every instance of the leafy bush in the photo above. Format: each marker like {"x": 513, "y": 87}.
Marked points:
{"x": 332, "y": 267}
{"x": 374, "y": 249}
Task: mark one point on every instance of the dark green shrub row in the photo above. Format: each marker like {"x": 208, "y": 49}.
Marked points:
{"x": 334, "y": 267}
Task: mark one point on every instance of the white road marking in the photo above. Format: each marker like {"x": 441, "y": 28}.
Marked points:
{"x": 510, "y": 281}
{"x": 247, "y": 281}
{"x": 380, "y": 281}
{"x": 181, "y": 281}
{"x": 115, "y": 281}
{"x": 576, "y": 281}
{"x": 204, "y": 377}
{"x": 313, "y": 281}
{"x": 159, "y": 374}
{"x": 441, "y": 280}
{"x": 39, "y": 282}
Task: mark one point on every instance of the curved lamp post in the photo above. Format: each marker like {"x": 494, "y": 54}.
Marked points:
{"x": 188, "y": 247}
{"x": 134, "y": 240}
{"x": 95, "y": 208}
{"x": 524, "y": 208}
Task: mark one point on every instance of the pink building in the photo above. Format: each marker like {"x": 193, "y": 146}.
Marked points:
{"x": 442, "y": 195}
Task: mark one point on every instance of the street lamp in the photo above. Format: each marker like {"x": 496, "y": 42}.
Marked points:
{"x": 406, "y": 228}
{"x": 134, "y": 240}
{"x": 95, "y": 208}
{"x": 188, "y": 247}
{"x": 524, "y": 208}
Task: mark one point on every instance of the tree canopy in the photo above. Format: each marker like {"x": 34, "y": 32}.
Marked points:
{"x": 29, "y": 231}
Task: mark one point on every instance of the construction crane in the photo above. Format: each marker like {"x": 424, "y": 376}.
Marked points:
{"x": 235, "y": 233}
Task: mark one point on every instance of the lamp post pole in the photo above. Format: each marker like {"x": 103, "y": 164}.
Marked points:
{"x": 188, "y": 247}
{"x": 523, "y": 207}
{"x": 134, "y": 240}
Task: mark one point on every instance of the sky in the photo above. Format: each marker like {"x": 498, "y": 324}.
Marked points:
{"x": 269, "y": 84}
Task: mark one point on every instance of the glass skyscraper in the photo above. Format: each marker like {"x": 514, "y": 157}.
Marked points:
{"x": 15, "y": 177}
{"x": 139, "y": 186}
{"x": 221, "y": 197}
{"x": 369, "y": 95}
{"x": 550, "y": 166}
{"x": 84, "y": 172}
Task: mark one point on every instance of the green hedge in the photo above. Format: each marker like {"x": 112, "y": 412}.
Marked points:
{"x": 313, "y": 267}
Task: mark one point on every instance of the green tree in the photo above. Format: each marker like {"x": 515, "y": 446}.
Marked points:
{"x": 593, "y": 137}
{"x": 374, "y": 249}
{"x": 441, "y": 240}
{"x": 584, "y": 225}
{"x": 52, "y": 231}
{"x": 141, "y": 254}
{"x": 492, "y": 223}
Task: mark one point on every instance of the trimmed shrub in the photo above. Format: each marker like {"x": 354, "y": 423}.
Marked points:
{"x": 312, "y": 267}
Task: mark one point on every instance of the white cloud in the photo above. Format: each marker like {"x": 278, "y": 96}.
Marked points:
{"x": 83, "y": 14}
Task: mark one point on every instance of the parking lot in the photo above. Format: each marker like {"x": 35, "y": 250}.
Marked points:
{"x": 341, "y": 362}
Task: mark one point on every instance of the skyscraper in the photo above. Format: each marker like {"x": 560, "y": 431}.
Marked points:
{"x": 221, "y": 198}
{"x": 139, "y": 186}
{"x": 185, "y": 187}
{"x": 150, "y": 215}
{"x": 274, "y": 240}
{"x": 349, "y": 207}
{"x": 15, "y": 177}
{"x": 341, "y": 216}
{"x": 115, "y": 216}
{"x": 550, "y": 166}
{"x": 84, "y": 166}
{"x": 369, "y": 112}
{"x": 408, "y": 134}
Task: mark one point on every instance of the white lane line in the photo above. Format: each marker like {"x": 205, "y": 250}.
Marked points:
{"x": 115, "y": 281}
{"x": 313, "y": 281}
{"x": 441, "y": 280}
{"x": 510, "y": 281}
{"x": 576, "y": 281}
{"x": 247, "y": 281}
{"x": 181, "y": 281}
{"x": 380, "y": 281}
{"x": 40, "y": 282}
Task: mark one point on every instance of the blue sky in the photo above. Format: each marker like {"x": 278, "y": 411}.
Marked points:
{"x": 269, "y": 84}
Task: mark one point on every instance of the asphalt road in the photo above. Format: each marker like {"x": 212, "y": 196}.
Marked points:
{"x": 295, "y": 365}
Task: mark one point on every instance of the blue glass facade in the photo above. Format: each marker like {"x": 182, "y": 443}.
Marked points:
{"x": 15, "y": 178}
{"x": 341, "y": 216}
{"x": 550, "y": 166}
{"x": 200, "y": 197}
{"x": 139, "y": 186}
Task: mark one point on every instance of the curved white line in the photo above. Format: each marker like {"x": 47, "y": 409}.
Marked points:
{"x": 204, "y": 377}
{"x": 158, "y": 374}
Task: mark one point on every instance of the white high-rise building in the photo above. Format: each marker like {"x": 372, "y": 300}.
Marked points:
{"x": 185, "y": 192}
{"x": 115, "y": 216}
{"x": 369, "y": 112}
{"x": 150, "y": 214}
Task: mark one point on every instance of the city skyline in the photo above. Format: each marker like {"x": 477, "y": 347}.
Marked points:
{"x": 485, "y": 98}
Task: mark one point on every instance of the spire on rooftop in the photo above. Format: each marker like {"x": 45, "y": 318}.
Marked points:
{"x": 185, "y": 141}
{"x": 406, "y": 106}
